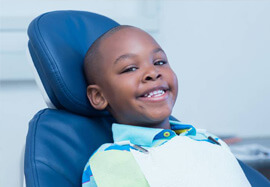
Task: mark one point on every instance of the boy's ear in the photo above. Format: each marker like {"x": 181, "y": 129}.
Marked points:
{"x": 96, "y": 98}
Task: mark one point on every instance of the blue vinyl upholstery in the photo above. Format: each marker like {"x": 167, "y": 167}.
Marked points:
{"x": 60, "y": 141}
{"x": 254, "y": 177}
{"x": 58, "y": 43}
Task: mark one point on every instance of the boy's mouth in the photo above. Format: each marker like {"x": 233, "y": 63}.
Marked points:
{"x": 155, "y": 93}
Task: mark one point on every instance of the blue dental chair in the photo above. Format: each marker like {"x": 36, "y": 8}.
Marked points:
{"x": 61, "y": 138}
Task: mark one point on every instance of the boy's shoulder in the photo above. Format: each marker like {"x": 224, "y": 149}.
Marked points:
{"x": 113, "y": 146}
{"x": 106, "y": 151}
{"x": 112, "y": 160}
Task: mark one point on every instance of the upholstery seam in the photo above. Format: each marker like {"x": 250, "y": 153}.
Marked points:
{"x": 41, "y": 42}
{"x": 34, "y": 169}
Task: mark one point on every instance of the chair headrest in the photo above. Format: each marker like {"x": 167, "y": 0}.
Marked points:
{"x": 58, "y": 42}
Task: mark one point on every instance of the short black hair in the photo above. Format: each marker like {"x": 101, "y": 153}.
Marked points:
{"x": 91, "y": 68}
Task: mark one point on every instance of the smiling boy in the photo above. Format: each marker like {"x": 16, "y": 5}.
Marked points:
{"x": 137, "y": 85}
{"x": 129, "y": 75}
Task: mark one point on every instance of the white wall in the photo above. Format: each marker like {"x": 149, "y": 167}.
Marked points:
{"x": 219, "y": 50}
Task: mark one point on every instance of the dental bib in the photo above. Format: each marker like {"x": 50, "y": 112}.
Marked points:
{"x": 183, "y": 161}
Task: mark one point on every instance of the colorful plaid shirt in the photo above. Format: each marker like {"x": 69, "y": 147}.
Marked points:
{"x": 113, "y": 164}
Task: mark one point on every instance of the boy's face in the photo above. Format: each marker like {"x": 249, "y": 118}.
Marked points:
{"x": 138, "y": 84}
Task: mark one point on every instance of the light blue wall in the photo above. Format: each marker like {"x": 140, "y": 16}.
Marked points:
{"x": 219, "y": 50}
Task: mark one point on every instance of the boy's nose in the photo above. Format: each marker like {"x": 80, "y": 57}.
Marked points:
{"x": 151, "y": 75}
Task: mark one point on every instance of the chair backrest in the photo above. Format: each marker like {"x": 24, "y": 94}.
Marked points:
{"x": 60, "y": 141}
{"x": 58, "y": 42}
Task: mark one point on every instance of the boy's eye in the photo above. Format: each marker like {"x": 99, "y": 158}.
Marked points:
{"x": 160, "y": 62}
{"x": 130, "y": 69}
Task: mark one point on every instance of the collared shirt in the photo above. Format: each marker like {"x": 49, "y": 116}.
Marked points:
{"x": 118, "y": 153}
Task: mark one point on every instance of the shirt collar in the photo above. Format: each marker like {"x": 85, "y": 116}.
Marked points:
{"x": 145, "y": 136}
{"x": 136, "y": 134}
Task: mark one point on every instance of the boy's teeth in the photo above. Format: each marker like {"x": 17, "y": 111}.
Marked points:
{"x": 155, "y": 93}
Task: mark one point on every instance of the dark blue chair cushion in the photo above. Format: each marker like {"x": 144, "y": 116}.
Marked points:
{"x": 59, "y": 144}
{"x": 58, "y": 42}
{"x": 254, "y": 177}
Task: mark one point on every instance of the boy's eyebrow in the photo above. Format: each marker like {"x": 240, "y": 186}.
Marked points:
{"x": 130, "y": 55}
{"x": 125, "y": 56}
{"x": 156, "y": 50}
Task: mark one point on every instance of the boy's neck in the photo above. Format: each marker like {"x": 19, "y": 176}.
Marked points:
{"x": 165, "y": 124}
